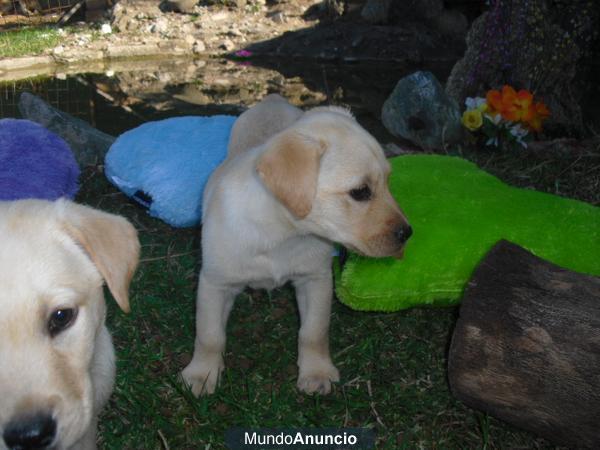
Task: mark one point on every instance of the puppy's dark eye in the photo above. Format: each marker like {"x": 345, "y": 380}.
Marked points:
{"x": 60, "y": 320}
{"x": 361, "y": 194}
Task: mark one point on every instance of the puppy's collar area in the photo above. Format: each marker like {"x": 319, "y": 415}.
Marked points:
{"x": 342, "y": 254}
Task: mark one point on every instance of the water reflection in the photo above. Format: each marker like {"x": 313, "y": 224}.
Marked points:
{"x": 118, "y": 96}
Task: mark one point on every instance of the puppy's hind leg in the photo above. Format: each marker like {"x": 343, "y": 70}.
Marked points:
{"x": 213, "y": 306}
{"x": 316, "y": 371}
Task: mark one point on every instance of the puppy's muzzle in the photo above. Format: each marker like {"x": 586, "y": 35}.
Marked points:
{"x": 33, "y": 432}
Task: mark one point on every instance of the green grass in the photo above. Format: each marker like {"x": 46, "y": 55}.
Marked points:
{"x": 28, "y": 41}
{"x": 393, "y": 366}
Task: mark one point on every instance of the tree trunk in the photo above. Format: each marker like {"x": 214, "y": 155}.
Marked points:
{"x": 526, "y": 348}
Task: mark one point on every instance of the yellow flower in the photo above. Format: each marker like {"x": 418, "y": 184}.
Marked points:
{"x": 472, "y": 119}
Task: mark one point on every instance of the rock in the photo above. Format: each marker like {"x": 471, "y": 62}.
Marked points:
{"x": 188, "y": 29}
{"x": 234, "y": 31}
{"x": 219, "y": 16}
{"x": 190, "y": 40}
{"x": 75, "y": 55}
{"x": 127, "y": 14}
{"x": 120, "y": 17}
{"x": 88, "y": 144}
{"x": 198, "y": 47}
{"x": 160, "y": 26}
{"x": 26, "y": 62}
{"x": 174, "y": 47}
{"x": 419, "y": 110}
{"x": 181, "y": 6}
{"x": 227, "y": 45}
{"x": 277, "y": 17}
{"x": 376, "y": 11}
{"x": 130, "y": 51}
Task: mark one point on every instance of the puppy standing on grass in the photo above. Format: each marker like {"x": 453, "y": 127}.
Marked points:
{"x": 57, "y": 363}
{"x": 293, "y": 183}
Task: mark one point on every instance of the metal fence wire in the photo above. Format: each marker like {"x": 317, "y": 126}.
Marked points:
{"x": 66, "y": 95}
{"x": 30, "y": 7}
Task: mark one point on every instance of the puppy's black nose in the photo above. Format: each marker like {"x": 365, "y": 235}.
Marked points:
{"x": 34, "y": 432}
{"x": 403, "y": 233}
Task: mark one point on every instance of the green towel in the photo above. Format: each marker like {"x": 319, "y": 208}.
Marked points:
{"x": 458, "y": 212}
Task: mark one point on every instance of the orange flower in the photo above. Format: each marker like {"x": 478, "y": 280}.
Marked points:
{"x": 494, "y": 101}
{"x": 509, "y": 104}
{"x": 503, "y": 103}
{"x": 517, "y": 106}
{"x": 539, "y": 113}
{"x": 508, "y": 93}
{"x": 524, "y": 104}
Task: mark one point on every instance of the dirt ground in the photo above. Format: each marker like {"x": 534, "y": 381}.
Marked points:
{"x": 298, "y": 29}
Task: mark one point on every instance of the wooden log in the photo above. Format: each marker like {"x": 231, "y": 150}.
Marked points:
{"x": 526, "y": 347}
{"x": 70, "y": 12}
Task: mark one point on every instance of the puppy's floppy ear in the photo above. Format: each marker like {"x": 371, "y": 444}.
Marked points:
{"x": 289, "y": 168}
{"x": 110, "y": 241}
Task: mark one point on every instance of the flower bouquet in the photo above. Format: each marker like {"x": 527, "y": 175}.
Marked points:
{"x": 505, "y": 117}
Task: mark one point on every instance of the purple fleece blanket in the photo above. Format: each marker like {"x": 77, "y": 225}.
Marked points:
{"x": 35, "y": 163}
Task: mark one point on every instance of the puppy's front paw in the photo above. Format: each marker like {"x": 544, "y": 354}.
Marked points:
{"x": 318, "y": 378}
{"x": 202, "y": 375}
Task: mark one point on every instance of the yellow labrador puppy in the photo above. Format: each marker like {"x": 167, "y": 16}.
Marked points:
{"x": 57, "y": 362}
{"x": 293, "y": 183}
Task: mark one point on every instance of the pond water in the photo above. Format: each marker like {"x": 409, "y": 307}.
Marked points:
{"x": 120, "y": 96}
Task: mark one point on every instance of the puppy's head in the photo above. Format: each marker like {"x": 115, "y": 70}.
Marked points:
{"x": 54, "y": 350}
{"x": 332, "y": 177}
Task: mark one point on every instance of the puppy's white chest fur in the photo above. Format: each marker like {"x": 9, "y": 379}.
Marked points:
{"x": 292, "y": 259}
{"x": 250, "y": 258}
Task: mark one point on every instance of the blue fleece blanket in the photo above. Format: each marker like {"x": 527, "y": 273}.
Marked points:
{"x": 164, "y": 165}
